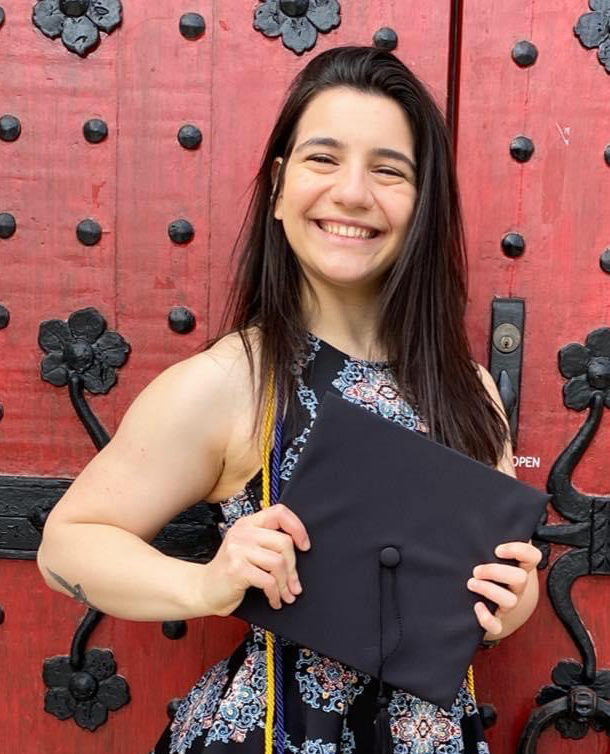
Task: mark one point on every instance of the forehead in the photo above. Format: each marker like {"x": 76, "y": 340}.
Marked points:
{"x": 356, "y": 118}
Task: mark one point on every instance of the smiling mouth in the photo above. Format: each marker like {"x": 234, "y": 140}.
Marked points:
{"x": 348, "y": 232}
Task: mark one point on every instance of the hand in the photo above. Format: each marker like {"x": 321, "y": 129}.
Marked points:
{"x": 258, "y": 550}
{"x": 515, "y": 577}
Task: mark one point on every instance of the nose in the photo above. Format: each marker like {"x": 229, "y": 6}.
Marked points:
{"x": 351, "y": 187}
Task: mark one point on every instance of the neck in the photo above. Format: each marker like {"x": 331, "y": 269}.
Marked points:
{"x": 345, "y": 318}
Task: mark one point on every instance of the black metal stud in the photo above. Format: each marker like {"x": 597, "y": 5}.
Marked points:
{"x": 4, "y": 317}
{"x": 385, "y": 38}
{"x": 180, "y": 231}
{"x": 10, "y": 128}
{"x": 174, "y": 629}
{"x": 189, "y": 136}
{"x": 1, "y": 615}
{"x": 192, "y": 25}
{"x": 7, "y": 225}
{"x": 524, "y": 53}
{"x": 181, "y": 320}
{"x": 88, "y": 232}
{"x": 607, "y": 154}
{"x": 1, "y": 412}
{"x": 95, "y": 130}
{"x": 296, "y": 21}
{"x": 604, "y": 260}
{"x": 77, "y": 21}
{"x": 593, "y": 30}
{"x": 513, "y": 244}
{"x": 521, "y": 148}
{"x": 1, "y": 17}
{"x": 488, "y": 714}
{"x": 172, "y": 707}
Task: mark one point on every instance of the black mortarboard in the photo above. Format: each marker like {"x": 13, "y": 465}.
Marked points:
{"x": 397, "y": 522}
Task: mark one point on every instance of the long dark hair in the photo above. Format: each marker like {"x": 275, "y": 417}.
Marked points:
{"x": 423, "y": 296}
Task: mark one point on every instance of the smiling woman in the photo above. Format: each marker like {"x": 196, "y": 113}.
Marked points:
{"x": 351, "y": 279}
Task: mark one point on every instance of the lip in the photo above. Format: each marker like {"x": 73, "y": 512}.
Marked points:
{"x": 343, "y": 240}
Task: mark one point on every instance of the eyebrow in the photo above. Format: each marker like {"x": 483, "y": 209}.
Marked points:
{"x": 328, "y": 141}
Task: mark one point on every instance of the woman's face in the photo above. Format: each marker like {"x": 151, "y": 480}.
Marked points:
{"x": 360, "y": 179}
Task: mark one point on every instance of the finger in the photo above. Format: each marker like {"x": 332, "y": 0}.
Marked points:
{"x": 486, "y": 620}
{"x": 265, "y": 581}
{"x": 278, "y": 516}
{"x": 284, "y": 544}
{"x": 514, "y": 576}
{"x": 502, "y": 597}
{"x": 524, "y": 552}
{"x": 274, "y": 563}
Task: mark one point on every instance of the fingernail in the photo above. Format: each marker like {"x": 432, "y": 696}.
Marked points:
{"x": 298, "y": 586}
{"x": 500, "y": 551}
{"x": 306, "y": 544}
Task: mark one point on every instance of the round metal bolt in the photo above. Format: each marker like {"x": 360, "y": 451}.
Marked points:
{"x": 521, "y": 148}
{"x": 189, "y": 136}
{"x": 174, "y": 629}
{"x": 192, "y": 25}
{"x": 294, "y": 8}
{"x": 180, "y": 231}
{"x": 181, "y": 320}
{"x": 95, "y": 130}
{"x": 4, "y": 317}
{"x": 10, "y": 128}
{"x": 513, "y": 245}
{"x": 7, "y": 225}
{"x": 385, "y": 38}
{"x": 604, "y": 260}
{"x": 524, "y": 53}
{"x": 88, "y": 232}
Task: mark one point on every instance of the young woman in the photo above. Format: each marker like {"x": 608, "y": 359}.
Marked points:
{"x": 352, "y": 278}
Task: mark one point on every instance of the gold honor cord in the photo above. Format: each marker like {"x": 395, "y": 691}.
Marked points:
{"x": 265, "y": 503}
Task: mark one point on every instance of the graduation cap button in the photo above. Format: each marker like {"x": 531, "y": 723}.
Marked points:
{"x": 389, "y": 557}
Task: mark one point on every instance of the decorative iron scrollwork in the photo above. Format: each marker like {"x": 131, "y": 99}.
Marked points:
{"x": 85, "y": 692}
{"x": 579, "y": 697}
{"x": 83, "y": 353}
{"x": 593, "y": 30}
{"x": 297, "y": 21}
{"x": 79, "y": 22}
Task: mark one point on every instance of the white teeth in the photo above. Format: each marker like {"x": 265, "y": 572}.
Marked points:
{"x": 346, "y": 230}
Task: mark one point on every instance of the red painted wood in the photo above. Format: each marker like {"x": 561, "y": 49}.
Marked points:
{"x": 554, "y": 201}
{"x": 145, "y": 81}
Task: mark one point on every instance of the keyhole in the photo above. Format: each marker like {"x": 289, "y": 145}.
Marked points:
{"x": 507, "y": 342}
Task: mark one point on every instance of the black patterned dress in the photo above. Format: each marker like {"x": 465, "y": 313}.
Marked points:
{"x": 329, "y": 708}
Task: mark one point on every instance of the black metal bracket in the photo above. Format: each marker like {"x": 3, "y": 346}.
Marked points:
{"x": 506, "y": 355}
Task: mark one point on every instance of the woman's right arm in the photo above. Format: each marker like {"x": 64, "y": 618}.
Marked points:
{"x": 166, "y": 455}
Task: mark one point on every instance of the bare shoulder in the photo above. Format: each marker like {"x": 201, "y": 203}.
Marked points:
{"x": 169, "y": 450}
{"x": 505, "y": 463}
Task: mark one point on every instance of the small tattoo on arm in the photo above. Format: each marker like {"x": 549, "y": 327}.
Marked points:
{"x": 76, "y": 591}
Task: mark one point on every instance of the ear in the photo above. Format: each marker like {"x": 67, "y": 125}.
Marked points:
{"x": 275, "y": 169}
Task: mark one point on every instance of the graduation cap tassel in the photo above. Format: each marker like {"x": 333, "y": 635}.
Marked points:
{"x": 383, "y": 733}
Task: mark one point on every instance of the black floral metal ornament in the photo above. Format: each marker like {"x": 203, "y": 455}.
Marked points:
{"x": 86, "y": 692}
{"x": 593, "y": 30}
{"x": 77, "y": 21}
{"x": 579, "y": 697}
{"x": 82, "y": 346}
{"x": 297, "y": 21}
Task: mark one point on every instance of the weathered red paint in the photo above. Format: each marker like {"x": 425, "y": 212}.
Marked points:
{"x": 145, "y": 80}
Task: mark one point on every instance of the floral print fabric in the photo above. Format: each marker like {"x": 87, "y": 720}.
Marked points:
{"x": 329, "y": 708}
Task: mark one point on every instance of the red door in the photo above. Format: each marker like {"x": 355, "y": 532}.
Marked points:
{"x": 128, "y": 139}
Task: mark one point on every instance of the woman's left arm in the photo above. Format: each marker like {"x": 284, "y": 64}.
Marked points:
{"x": 518, "y": 600}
